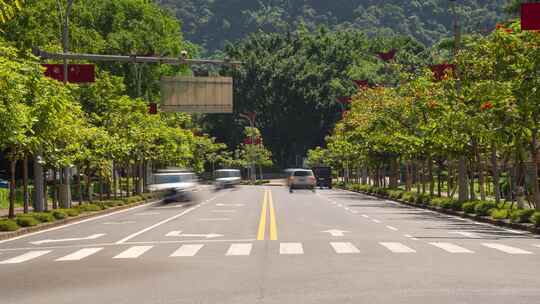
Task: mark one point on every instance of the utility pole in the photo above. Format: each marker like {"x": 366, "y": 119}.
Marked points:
{"x": 65, "y": 190}
{"x": 463, "y": 184}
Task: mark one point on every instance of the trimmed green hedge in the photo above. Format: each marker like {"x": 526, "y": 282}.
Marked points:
{"x": 26, "y": 221}
{"x": 59, "y": 214}
{"x": 8, "y": 225}
{"x": 484, "y": 208}
{"x": 43, "y": 217}
{"x": 468, "y": 207}
{"x": 500, "y": 214}
{"x": 535, "y": 218}
{"x": 521, "y": 215}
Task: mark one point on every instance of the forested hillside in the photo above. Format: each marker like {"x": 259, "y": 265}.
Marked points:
{"x": 211, "y": 23}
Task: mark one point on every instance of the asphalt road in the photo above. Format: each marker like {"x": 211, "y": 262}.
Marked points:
{"x": 265, "y": 245}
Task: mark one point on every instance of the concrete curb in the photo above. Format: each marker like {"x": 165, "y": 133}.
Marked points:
{"x": 484, "y": 219}
{"x": 44, "y": 226}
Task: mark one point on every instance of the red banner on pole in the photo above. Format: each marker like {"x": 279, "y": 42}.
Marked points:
{"x": 387, "y": 56}
{"x": 152, "y": 108}
{"x": 439, "y": 70}
{"x": 77, "y": 73}
{"x": 530, "y": 16}
{"x": 361, "y": 84}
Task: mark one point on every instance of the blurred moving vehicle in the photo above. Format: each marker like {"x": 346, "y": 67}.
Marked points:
{"x": 227, "y": 178}
{"x": 301, "y": 178}
{"x": 181, "y": 183}
{"x": 323, "y": 176}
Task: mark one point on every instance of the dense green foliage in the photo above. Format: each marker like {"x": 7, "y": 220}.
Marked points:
{"x": 212, "y": 23}
{"x": 292, "y": 81}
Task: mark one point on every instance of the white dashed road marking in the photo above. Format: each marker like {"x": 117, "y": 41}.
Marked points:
{"x": 239, "y": 249}
{"x": 344, "y": 247}
{"x": 26, "y": 257}
{"x": 133, "y": 252}
{"x": 291, "y": 248}
{"x": 80, "y": 254}
{"x": 452, "y": 248}
{"x": 506, "y": 249}
{"x": 187, "y": 250}
{"x": 392, "y": 228}
{"x": 397, "y": 247}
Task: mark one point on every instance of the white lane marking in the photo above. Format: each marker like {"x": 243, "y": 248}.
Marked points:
{"x": 129, "y": 237}
{"x": 291, "y": 248}
{"x": 215, "y": 219}
{"x": 392, "y": 228}
{"x": 25, "y": 257}
{"x": 354, "y": 211}
{"x": 467, "y": 234}
{"x": 333, "y": 203}
{"x": 180, "y": 234}
{"x": 344, "y": 247}
{"x": 506, "y": 249}
{"x": 411, "y": 237}
{"x": 537, "y": 245}
{"x": 376, "y": 221}
{"x": 133, "y": 252}
{"x": 335, "y": 232}
{"x": 223, "y": 211}
{"x": 80, "y": 254}
{"x": 229, "y": 205}
{"x": 187, "y": 250}
{"x": 90, "y": 237}
{"x": 452, "y": 248}
{"x": 147, "y": 213}
{"x": 365, "y": 215}
{"x": 340, "y": 205}
{"x": 515, "y": 231}
{"x": 119, "y": 223}
{"x": 79, "y": 222}
{"x": 347, "y": 208}
{"x": 239, "y": 249}
{"x": 397, "y": 247}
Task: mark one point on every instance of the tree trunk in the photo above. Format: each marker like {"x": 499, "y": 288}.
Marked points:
{"x": 26, "y": 195}
{"x": 439, "y": 180}
{"x": 534, "y": 175}
{"x": 430, "y": 177}
{"x": 89, "y": 190}
{"x": 463, "y": 193}
{"x": 100, "y": 181}
{"x": 481, "y": 178}
{"x": 12, "y": 188}
{"x": 79, "y": 186}
{"x": 55, "y": 190}
{"x": 45, "y": 194}
{"x": 450, "y": 178}
{"x": 408, "y": 176}
{"x": 39, "y": 186}
{"x": 394, "y": 168}
{"x": 115, "y": 185}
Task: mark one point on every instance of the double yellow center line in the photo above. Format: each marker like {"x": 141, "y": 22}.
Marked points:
{"x": 268, "y": 204}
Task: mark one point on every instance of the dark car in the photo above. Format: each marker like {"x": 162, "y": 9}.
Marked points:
{"x": 323, "y": 176}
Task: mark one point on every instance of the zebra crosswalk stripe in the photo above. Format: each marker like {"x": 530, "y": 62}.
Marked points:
{"x": 80, "y": 254}
{"x": 239, "y": 249}
{"x": 344, "y": 247}
{"x": 291, "y": 248}
{"x": 397, "y": 247}
{"x": 452, "y": 248}
{"x": 25, "y": 257}
{"x": 506, "y": 249}
{"x": 187, "y": 250}
{"x": 133, "y": 252}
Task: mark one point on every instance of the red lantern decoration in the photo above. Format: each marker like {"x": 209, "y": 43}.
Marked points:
{"x": 77, "y": 73}
{"x": 152, "y": 108}
{"x": 439, "y": 70}
{"x": 530, "y": 16}
{"x": 361, "y": 84}
{"x": 387, "y": 56}
{"x": 344, "y": 100}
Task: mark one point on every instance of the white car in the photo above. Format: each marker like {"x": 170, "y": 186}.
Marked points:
{"x": 227, "y": 178}
{"x": 182, "y": 184}
{"x": 301, "y": 178}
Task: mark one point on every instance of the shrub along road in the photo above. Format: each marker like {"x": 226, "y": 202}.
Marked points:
{"x": 257, "y": 244}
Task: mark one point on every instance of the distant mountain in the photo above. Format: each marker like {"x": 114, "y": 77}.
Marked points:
{"x": 211, "y": 23}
